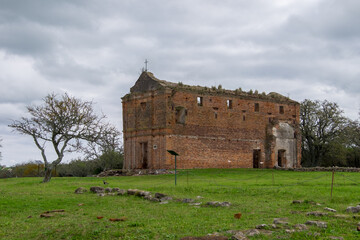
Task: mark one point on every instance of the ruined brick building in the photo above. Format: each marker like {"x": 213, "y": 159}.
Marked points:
{"x": 208, "y": 127}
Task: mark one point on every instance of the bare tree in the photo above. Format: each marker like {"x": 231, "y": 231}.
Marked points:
{"x": 65, "y": 123}
{"x": 109, "y": 142}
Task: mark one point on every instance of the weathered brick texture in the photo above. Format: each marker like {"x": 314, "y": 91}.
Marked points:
{"x": 208, "y": 128}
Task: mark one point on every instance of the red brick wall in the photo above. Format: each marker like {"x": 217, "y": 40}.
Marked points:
{"x": 204, "y": 141}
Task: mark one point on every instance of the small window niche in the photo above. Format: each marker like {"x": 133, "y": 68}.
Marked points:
{"x": 256, "y": 107}
{"x": 281, "y": 109}
{"x": 229, "y": 104}
{"x": 199, "y": 101}
{"x": 244, "y": 118}
{"x": 180, "y": 114}
{"x": 215, "y": 115}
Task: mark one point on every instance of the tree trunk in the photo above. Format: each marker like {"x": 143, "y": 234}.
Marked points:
{"x": 47, "y": 177}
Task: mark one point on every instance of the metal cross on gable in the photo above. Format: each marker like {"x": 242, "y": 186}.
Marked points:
{"x": 146, "y": 62}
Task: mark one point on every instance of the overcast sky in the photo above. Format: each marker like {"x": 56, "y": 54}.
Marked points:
{"x": 95, "y": 50}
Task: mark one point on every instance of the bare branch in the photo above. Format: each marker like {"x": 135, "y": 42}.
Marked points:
{"x": 66, "y": 122}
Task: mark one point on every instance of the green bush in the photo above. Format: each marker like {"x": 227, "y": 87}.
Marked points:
{"x": 82, "y": 168}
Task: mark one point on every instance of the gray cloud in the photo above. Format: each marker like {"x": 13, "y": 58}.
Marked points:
{"x": 95, "y": 50}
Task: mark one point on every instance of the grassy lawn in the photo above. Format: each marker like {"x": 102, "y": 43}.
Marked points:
{"x": 260, "y": 195}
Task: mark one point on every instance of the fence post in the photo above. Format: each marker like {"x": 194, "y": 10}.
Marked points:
{"x": 175, "y": 170}
{"x": 332, "y": 182}
{"x": 187, "y": 177}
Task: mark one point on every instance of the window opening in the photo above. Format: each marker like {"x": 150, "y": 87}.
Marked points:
{"x": 281, "y": 109}
{"x": 180, "y": 114}
{"x": 256, "y": 107}
{"x": 199, "y": 101}
{"x": 229, "y": 104}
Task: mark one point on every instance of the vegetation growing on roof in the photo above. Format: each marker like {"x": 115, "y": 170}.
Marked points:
{"x": 213, "y": 90}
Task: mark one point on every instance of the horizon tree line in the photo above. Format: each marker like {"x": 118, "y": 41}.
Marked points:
{"x": 69, "y": 124}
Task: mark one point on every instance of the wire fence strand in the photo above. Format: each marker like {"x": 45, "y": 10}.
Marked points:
{"x": 265, "y": 180}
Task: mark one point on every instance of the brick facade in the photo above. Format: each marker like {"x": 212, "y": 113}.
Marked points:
{"x": 207, "y": 127}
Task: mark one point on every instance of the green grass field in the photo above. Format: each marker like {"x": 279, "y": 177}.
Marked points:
{"x": 260, "y": 195}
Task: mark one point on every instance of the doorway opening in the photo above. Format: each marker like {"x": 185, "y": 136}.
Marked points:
{"x": 256, "y": 158}
{"x": 281, "y": 158}
{"x": 144, "y": 155}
